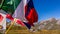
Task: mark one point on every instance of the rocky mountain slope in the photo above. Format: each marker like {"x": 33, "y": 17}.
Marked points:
{"x": 51, "y": 23}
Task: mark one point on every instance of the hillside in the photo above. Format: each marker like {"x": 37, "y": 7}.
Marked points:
{"x": 24, "y": 30}
{"x": 50, "y": 24}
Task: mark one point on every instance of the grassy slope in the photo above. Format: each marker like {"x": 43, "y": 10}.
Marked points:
{"x": 23, "y": 30}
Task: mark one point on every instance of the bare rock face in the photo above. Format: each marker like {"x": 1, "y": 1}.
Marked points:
{"x": 53, "y": 20}
{"x": 51, "y": 23}
{"x": 43, "y": 24}
{"x": 58, "y": 22}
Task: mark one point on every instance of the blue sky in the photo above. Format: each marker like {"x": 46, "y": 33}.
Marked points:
{"x": 47, "y": 9}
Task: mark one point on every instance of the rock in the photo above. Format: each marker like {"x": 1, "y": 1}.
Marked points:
{"x": 51, "y": 23}
{"x": 52, "y": 20}
{"x": 58, "y": 22}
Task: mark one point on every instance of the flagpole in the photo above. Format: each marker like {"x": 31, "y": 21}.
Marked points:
{"x": 12, "y": 23}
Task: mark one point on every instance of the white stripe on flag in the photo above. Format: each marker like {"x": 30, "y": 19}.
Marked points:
{"x": 3, "y": 22}
{"x": 19, "y": 12}
{"x": 25, "y": 2}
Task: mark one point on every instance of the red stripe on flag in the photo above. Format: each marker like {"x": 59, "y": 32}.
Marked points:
{"x": 17, "y": 21}
{"x": 32, "y": 17}
{"x": 26, "y": 8}
{"x": 9, "y": 17}
{"x": 30, "y": 13}
{"x": 1, "y": 17}
{"x": 20, "y": 22}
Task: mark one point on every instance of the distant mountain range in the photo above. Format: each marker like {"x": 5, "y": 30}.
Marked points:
{"x": 51, "y": 23}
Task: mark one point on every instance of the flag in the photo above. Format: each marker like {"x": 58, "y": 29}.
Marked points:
{"x": 10, "y": 5}
{"x": 9, "y": 17}
{"x": 28, "y": 25}
{"x": 19, "y": 12}
{"x": 2, "y": 11}
{"x": 3, "y": 20}
{"x": 26, "y": 12}
{"x": 20, "y": 22}
{"x": 30, "y": 12}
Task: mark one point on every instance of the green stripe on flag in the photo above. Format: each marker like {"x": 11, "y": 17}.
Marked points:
{"x": 10, "y": 5}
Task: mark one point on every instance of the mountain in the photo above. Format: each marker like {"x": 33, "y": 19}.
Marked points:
{"x": 58, "y": 22}
{"x": 50, "y": 24}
